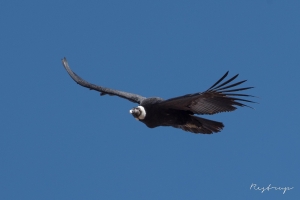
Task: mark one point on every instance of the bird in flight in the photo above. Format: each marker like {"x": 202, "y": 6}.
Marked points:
{"x": 179, "y": 112}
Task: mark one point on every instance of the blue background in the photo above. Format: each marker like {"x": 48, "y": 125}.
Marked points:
{"x": 61, "y": 141}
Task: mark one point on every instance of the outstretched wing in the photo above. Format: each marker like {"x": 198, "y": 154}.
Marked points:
{"x": 103, "y": 91}
{"x": 220, "y": 97}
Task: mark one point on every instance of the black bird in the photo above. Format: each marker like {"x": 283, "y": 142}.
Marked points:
{"x": 179, "y": 111}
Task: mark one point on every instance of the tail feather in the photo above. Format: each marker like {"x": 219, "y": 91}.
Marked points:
{"x": 201, "y": 125}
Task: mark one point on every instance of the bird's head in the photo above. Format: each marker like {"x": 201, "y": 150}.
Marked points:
{"x": 138, "y": 113}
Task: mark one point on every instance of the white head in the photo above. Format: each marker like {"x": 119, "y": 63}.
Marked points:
{"x": 138, "y": 112}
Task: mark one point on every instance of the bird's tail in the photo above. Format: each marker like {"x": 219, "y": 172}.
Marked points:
{"x": 201, "y": 125}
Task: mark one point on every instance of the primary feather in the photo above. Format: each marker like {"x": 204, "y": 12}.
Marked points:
{"x": 214, "y": 100}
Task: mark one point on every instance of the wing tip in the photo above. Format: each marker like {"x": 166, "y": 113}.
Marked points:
{"x": 65, "y": 62}
{"x": 64, "y": 59}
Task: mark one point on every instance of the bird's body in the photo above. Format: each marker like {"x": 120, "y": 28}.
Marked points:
{"x": 178, "y": 112}
{"x": 157, "y": 115}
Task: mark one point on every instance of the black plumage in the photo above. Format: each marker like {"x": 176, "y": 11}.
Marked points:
{"x": 179, "y": 112}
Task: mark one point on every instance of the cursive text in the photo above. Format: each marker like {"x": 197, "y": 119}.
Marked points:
{"x": 262, "y": 189}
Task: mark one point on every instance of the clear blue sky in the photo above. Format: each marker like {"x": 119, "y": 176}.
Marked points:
{"x": 61, "y": 141}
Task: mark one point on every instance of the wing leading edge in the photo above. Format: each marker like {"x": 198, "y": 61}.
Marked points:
{"x": 103, "y": 91}
{"x": 220, "y": 97}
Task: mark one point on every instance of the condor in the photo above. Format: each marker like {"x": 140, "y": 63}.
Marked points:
{"x": 179, "y": 112}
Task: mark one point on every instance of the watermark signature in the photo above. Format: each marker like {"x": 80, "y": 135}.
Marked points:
{"x": 262, "y": 189}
